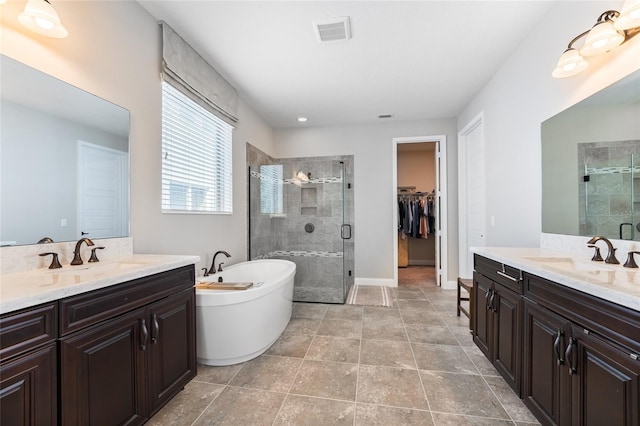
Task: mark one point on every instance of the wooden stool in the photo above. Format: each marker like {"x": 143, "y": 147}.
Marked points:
{"x": 467, "y": 284}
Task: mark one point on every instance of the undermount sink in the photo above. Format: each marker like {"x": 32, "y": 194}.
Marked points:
{"x": 568, "y": 264}
{"x": 95, "y": 268}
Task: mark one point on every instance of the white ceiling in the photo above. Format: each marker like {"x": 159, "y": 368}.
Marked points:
{"x": 415, "y": 59}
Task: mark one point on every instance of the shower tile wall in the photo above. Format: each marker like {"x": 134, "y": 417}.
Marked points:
{"x": 606, "y": 200}
{"x": 322, "y": 258}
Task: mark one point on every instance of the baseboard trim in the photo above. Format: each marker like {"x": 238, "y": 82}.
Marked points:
{"x": 449, "y": 285}
{"x": 388, "y": 282}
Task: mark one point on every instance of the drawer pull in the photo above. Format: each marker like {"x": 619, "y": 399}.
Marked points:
{"x": 504, "y": 274}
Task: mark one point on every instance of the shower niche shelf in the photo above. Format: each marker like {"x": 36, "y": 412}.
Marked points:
{"x": 309, "y": 201}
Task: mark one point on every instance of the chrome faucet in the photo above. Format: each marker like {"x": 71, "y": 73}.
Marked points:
{"x": 611, "y": 255}
{"x": 77, "y": 260}
{"x": 212, "y": 270}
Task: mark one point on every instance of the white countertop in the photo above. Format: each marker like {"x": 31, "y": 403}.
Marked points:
{"x": 30, "y": 288}
{"x": 614, "y": 283}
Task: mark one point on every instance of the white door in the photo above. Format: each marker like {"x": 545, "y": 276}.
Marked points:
{"x": 472, "y": 195}
{"x": 102, "y": 192}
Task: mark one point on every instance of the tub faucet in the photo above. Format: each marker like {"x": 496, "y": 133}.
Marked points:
{"x": 212, "y": 270}
{"x": 611, "y": 255}
{"x": 77, "y": 260}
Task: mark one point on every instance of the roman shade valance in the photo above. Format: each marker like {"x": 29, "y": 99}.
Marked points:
{"x": 186, "y": 70}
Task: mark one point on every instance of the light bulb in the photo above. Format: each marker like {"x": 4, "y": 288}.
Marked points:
{"x": 43, "y": 23}
{"x": 629, "y": 15}
{"x": 569, "y": 64}
{"x": 602, "y": 38}
{"x": 40, "y": 17}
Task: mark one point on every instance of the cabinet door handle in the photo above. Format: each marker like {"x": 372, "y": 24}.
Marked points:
{"x": 492, "y": 301}
{"x": 569, "y": 356}
{"x": 155, "y": 328}
{"x": 486, "y": 298}
{"x": 144, "y": 334}
{"x": 556, "y": 348}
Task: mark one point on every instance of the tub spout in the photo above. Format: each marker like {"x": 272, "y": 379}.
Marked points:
{"x": 212, "y": 270}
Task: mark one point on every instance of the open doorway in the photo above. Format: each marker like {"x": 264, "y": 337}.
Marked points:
{"x": 419, "y": 202}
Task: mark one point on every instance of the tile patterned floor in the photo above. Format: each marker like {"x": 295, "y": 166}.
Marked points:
{"x": 411, "y": 364}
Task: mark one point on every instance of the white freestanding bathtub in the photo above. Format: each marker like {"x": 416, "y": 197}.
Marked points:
{"x": 234, "y": 326}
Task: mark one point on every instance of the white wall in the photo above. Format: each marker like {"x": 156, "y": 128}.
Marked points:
{"x": 520, "y": 96}
{"x": 113, "y": 50}
{"x": 371, "y": 145}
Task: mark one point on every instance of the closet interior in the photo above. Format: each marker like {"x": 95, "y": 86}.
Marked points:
{"x": 416, "y": 212}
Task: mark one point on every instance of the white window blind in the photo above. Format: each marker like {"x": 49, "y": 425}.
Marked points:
{"x": 196, "y": 157}
{"x": 271, "y": 201}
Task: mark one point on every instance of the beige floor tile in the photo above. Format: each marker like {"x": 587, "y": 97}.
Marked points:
{"x": 463, "y": 335}
{"x": 414, "y": 316}
{"x": 302, "y": 326}
{"x": 237, "y": 406}
{"x": 346, "y": 312}
{"x": 443, "y": 358}
{"x": 510, "y": 401}
{"x": 444, "y": 419}
{"x": 340, "y": 328}
{"x": 289, "y": 344}
{"x": 380, "y": 313}
{"x": 384, "y": 330}
{"x": 481, "y": 362}
{"x": 326, "y": 379}
{"x": 461, "y": 394}
{"x": 266, "y": 372}
{"x": 378, "y": 415}
{"x": 338, "y": 349}
{"x": 187, "y": 405}
{"x": 394, "y": 387}
{"x": 307, "y": 411}
{"x": 387, "y": 353}
{"x": 425, "y": 305}
{"x": 408, "y": 294}
{"x": 220, "y": 375}
{"x": 428, "y": 333}
{"x": 309, "y": 310}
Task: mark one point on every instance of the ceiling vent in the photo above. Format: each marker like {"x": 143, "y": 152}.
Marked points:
{"x": 386, "y": 115}
{"x": 336, "y": 29}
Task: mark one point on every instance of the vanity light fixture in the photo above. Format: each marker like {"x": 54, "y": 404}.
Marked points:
{"x": 40, "y": 17}
{"x": 612, "y": 29}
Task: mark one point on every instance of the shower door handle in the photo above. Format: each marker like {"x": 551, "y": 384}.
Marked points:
{"x": 345, "y": 232}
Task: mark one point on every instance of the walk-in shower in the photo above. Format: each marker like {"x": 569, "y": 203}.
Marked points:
{"x": 301, "y": 209}
{"x": 610, "y": 189}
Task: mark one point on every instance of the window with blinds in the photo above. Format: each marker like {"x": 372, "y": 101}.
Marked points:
{"x": 196, "y": 157}
{"x": 271, "y": 189}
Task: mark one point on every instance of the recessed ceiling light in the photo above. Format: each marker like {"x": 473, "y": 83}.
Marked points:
{"x": 302, "y": 119}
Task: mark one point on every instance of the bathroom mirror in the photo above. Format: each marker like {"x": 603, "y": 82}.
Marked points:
{"x": 64, "y": 160}
{"x": 591, "y": 165}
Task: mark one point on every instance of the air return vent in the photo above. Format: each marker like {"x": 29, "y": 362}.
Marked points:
{"x": 336, "y": 29}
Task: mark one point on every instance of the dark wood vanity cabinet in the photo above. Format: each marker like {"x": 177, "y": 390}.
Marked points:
{"x": 497, "y": 329}
{"x": 581, "y": 362}
{"x": 28, "y": 366}
{"x": 121, "y": 370}
{"x": 574, "y": 357}
{"x": 106, "y": 357}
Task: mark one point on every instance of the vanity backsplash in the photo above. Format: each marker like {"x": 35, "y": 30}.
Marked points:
{"x": 26, "y": 258}
{"x": 578, "y": 245}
